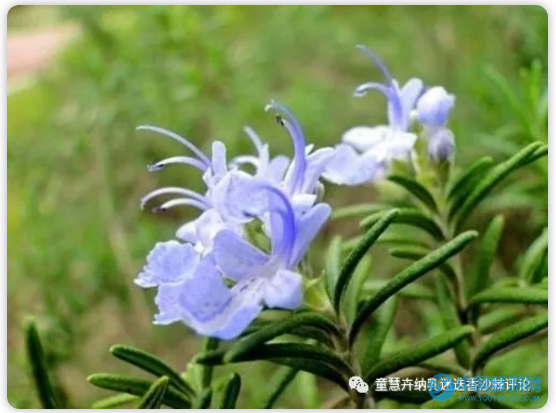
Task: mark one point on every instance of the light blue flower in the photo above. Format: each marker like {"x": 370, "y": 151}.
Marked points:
{"x": 366, "y": 151}
{"x": 205, "y": 301}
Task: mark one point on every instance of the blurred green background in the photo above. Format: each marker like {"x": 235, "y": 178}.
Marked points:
{"x": 77, "y": 166}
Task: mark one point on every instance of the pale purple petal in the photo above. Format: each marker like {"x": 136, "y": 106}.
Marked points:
{"x": 364, "y": 138}
{"x": 219, "y": 163}
{"x": 434, "y": 107}
{"x": 348, "y": 167}
{"x": 284, "y": 290}
{"x": 277, "y": 168}
{"x": 409, "y": 94}
{"x": 308, "y": 226}
{"x": 316, "y": 163}
{"x": 168, "y": 262}
{"x": 236, "y": 257}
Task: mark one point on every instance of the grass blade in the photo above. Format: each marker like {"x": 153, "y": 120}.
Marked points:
{"x": 507, "y": 337}
{"x": 358, "y": 252}
{"x": 36, "y": 357}
{"x": 409, "y": 275}
{"x": 155, "y": 395}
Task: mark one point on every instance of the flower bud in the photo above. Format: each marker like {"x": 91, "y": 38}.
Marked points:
{"x": 441, "y": 145}
{"x": 433, "y": 108}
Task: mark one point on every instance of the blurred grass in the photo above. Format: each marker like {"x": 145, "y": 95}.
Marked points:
{"x": 77, "y": 166}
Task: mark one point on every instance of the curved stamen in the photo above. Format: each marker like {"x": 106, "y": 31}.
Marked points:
{"x": 187, "y": 160}
{"x": 367, "y": 52}
{"x": 362, "y": 90}
{"x": 177, "y": 138}
{"x": 296, "y": 133}
{"x": 179, "y": 202}
{"x": 254, "y": 138}
{"x": 173, "y": 190}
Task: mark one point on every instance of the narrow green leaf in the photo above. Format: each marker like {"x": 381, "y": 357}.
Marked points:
{"x": 37, "y": 360}
{"x": 137, "y": 387}
{"x": 298, "y": 350}
{"x": 478, "y": 279}
{"x": 332, "y": 265}
{"x": 356, "y": 210}
{"x": 417, "y": 353}
{"x": 507, "y": 337}
{"x": 375, "y": 335}
{"x": 358, "y": 252}
{"x": 494, "y": 320}
{"x": 231, "y": 392}
{"x": 522, "y": 295}
{"x": 155, "y": 395}
{"x": 151, "y": 364}
{"x": 203, "y": 400}
{"x": 285, "y": 377}
{"x": 466, "y": 178}
{"x": 451, "y": 320}
{"x": 318, "y": 368}
{"x": 416, "y": 253}
{"x": 209, "y": 344}
{"x": 246, "y": 345}
{"x": 492, "y": 178}
{"x": 114, "y": 401}
{"x": 413, "y": 217}
{"x": 412, "y": 291}
{"x": 533, "y": 259}
{"x": 353, "y": 291}
{"x": 416, "y": 189}
{"x": 409, "y": 275}
{"x": 308, "y": 390}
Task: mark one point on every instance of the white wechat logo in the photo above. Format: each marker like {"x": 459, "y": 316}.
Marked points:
{"x": 356, "y": 383}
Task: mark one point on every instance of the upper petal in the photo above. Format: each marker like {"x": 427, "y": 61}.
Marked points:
{"x": 434, "y": 107}
{"x": 316, "y": 163}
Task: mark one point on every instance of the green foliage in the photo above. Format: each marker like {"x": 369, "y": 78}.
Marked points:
{"x": 358, "y": 252}
{"x": 137, "y": 387}
{"x": 231, "y": 392}
{"x": 165, "y": 66}
{"x": 507, "y": 337}
{"x": 153, "y": 365}
{"x": 422, "y": 351}
{"x": 155, "y": 395}
{"x": 37, "y": 360}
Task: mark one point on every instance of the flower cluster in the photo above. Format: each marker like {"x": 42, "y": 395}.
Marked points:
{"x": 218, "y": 277}
{"x": 366, "y": 152}
{"x": 241, "y": 254}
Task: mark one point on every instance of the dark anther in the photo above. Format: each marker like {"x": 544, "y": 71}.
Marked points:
{"x": 279, "y": 120}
